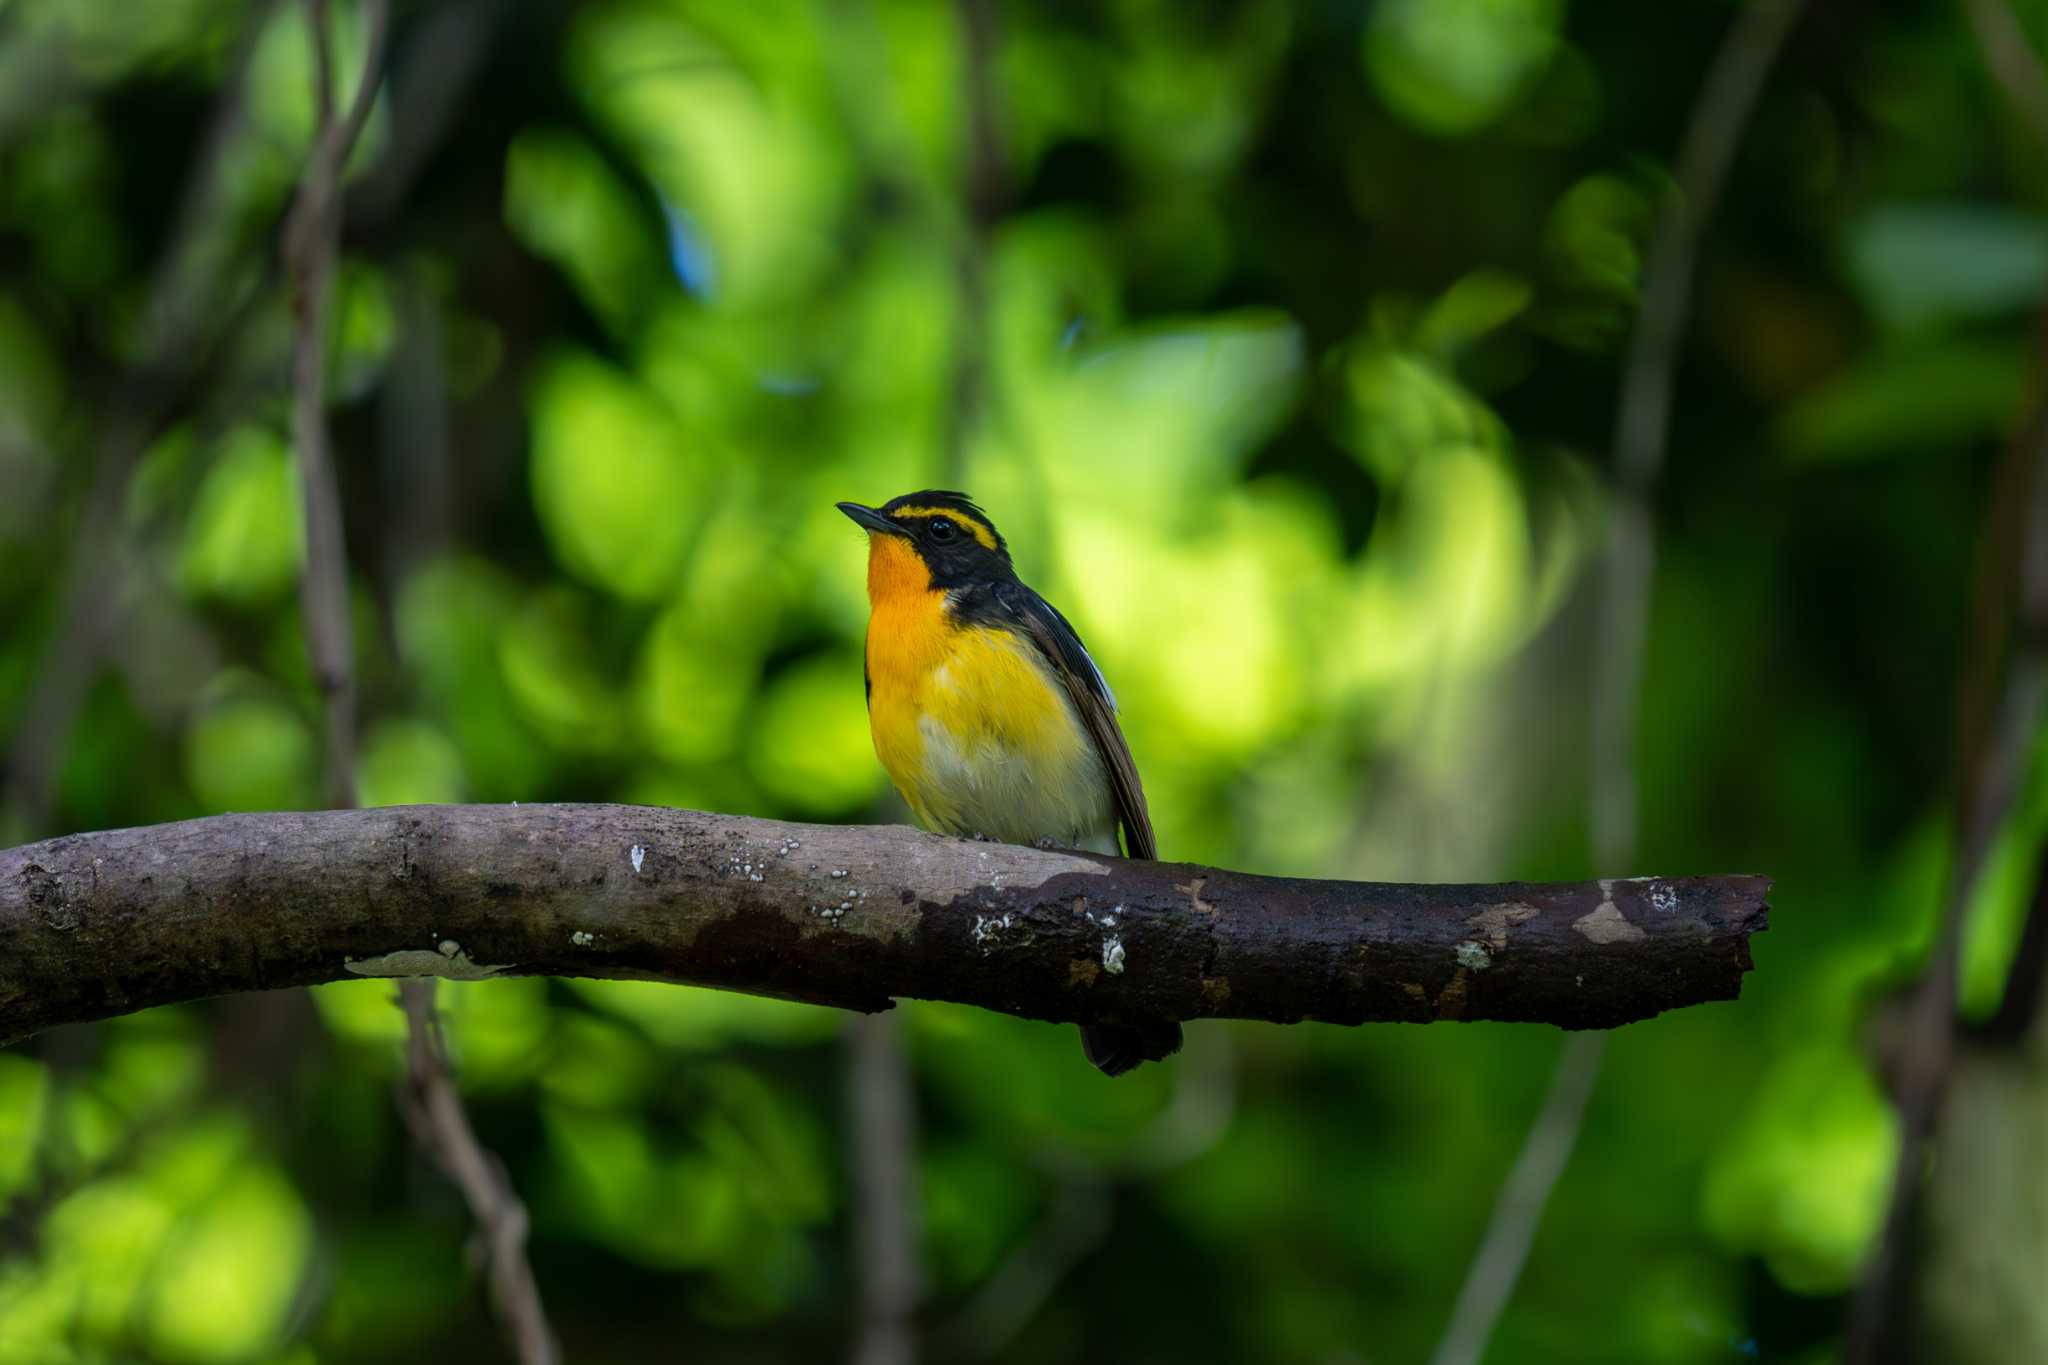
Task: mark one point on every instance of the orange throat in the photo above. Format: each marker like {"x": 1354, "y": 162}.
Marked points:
{"x": 907, "y": 638}
{"x": 897, "y": 577}
{"x": 907, "y": 626}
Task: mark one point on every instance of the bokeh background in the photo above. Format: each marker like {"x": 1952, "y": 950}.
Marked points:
{"x": 1284, "y": 340}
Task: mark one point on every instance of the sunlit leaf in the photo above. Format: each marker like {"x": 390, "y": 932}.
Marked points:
{"x": 1472, "y": 307}
{"x": 811, "y": 745}
{"x": 546, "y": 655}
{"x": 364, "y": 1011}
{"x": 616, "y": 482}
{"x": 242, "y": 543}
{"x": 1930, "y": 397}
{"x": 231, "y": 1270}
{"x": 1595, "y": 232}
{"x": 407, "y": 762}
{"x": 1453, "y": 66}
{"x": 684, "y": 1016}
{"x": 451, "y": 620}
{"x": 724, "y": 138}
{"x": 1804, "y": 1183}
{"x": 565, "y": 203}
{"x": 1918, "y": 264}
{"x": 250, "y": 753}
{"x": 24, "y": 1094}
{"x": 498, "y": 1031}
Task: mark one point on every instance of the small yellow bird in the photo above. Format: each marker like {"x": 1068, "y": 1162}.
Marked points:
{"x": 987, "y": 711}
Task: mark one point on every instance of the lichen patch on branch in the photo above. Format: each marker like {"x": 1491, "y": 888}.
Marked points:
{"x": 1113, "y": 954}
{"x": 1492, "y": 923}
{"x": 449, "y": 962}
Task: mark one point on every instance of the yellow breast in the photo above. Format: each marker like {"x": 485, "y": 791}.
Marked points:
{"x": 974, "y": 728}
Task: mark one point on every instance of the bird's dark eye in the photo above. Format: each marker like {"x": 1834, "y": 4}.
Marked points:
{"x": 943, "y": 530}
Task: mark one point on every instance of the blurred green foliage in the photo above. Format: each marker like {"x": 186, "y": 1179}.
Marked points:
{"x": 1287, "y": 361}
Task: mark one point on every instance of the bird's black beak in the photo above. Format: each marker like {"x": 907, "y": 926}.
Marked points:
{"x": 871, "y": 520}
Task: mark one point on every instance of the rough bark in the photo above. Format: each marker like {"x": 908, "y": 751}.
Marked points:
{"x": 93, "y": 925}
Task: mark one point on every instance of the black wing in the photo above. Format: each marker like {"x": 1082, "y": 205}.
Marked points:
{"x": 1042, "y": 623}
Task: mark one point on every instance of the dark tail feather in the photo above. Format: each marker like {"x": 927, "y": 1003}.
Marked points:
{"x": 1116, "y": 1048}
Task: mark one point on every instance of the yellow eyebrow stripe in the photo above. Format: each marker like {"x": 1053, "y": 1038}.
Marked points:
{"x": 960, "y": 519}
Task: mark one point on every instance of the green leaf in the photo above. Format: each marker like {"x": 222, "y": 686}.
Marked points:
{"x": 616, "y": 482}
{"x": 250, "y": 753}
{"x": 811, "y": 745}
{"x": 1921, "y": 264}
{"x": 1925, "y": 398}
{"x": 1451, "y": 67}
{"x": 24, "y": 1095}
{"x": 243, "y": 539}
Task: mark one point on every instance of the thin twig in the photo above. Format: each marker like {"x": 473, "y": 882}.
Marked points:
{"x": 1083, "y": 1210}
{"x": 882, "y": 1107}
{"x": 1990, "y": 732}
{"x": 1997, "y": 707}
{"x": 1642, "y": 435}
{"x": 1078, "y": 1222}
{"x": 440, "y": 1125}
{"x": 985, "y": 175}
{"x": 311, "y": 246}
{"x": 1643, "y": 419}
{"x": 1519, "y": 1208}
{"x": 2011, "y": 61}
{"x": 433, "y": 1106}
{"x": 2026, "y": 981}
{"x": 442, "y": 57}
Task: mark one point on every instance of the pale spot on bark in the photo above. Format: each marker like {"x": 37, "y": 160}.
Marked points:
{"x": 1083, "y": 971}
{"x": 1491, "y": 924}
{"x": 1194, "y": 890}
{"x": 1608, "y": 924}
{"x": 1216, "y": 990}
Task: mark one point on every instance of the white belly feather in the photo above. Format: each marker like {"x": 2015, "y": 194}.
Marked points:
{"x": 975, "y": 783}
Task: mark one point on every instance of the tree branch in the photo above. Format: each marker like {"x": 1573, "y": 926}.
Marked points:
{"x": 311, "y": 244}
{"x": 93, "y": 925}
{"x": 2002, "y": 42}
